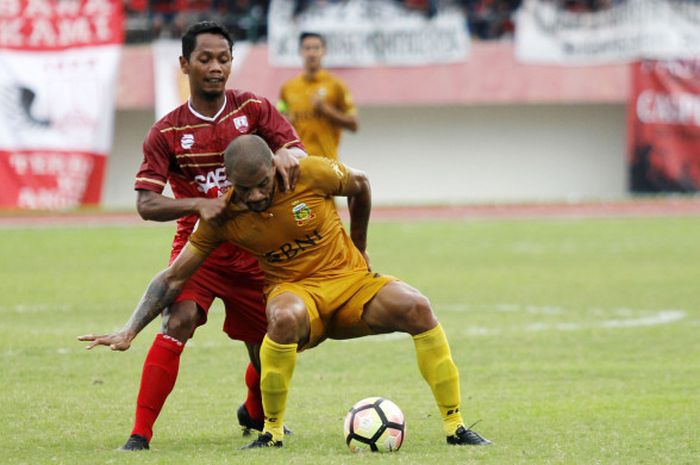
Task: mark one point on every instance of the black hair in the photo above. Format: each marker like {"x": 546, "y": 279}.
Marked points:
{"x": 189, "y": 39}
{"x": 307, "y": 34}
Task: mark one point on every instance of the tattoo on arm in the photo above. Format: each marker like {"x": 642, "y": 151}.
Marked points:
{"x": 157, "y": 297}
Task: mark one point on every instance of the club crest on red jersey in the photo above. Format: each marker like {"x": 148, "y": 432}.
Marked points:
{"x": 241, "y": 124}
{"x": 187, "y": 141}
{"x": 302, "y": 213}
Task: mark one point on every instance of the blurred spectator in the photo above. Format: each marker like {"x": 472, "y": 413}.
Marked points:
{"x": 151, "y": 19}
{"x": 138, "y": 22}
{"x": 247, "y": 19}
{"x": 136, "y": 6}
{"x": 490, "y": 19}
{"x": 428, "y": 7}
{"x": 300, "y": 6}
{"x": 586, "y": 6}
{"x": 163, "y": 14}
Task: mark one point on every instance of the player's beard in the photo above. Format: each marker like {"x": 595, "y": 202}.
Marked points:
{"x": 261, "y": 205}
{"x": 211, "y": 95}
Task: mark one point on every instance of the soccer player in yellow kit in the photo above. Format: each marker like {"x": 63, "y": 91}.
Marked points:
{"x": 318, "y": 280}
{"x": 316, "y": 102}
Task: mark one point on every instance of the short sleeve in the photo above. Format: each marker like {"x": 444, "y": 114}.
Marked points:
{"x": 153, "y": 172}
{"x": 326, "y": 176}
{"x": 205, "y": 238}
{"x": 346, "y": 103}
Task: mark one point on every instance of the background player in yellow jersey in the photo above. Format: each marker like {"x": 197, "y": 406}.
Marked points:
{"x": 318, "y": 280}
{"x": 317, "y": 103}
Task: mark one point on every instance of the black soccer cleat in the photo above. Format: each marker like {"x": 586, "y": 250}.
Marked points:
{"x": 247, "y": 424}
{"x": 466, "y": 437}
{"x": 136, "y": 442}
{"x": 264, "y": 440}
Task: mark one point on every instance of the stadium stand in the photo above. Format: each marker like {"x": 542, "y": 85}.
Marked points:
{"x": 247, "y": 19}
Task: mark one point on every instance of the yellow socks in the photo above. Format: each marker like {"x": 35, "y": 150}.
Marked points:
{"x": 277, "y": 362}
{"x": 438, "y": 369}
{"x": 434, "y": 360}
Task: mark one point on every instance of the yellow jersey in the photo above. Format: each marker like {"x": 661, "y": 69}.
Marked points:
{"x": 299, "y": 235}
{"x": 319, "y": 134}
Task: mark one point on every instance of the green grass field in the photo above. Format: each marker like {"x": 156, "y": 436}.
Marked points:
{"x": 577, "y": 341}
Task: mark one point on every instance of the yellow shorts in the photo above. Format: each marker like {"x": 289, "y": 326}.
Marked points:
{"x": 335, "y": 304}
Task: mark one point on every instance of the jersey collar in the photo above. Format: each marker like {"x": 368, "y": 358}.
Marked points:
{"x": 319, "y": 76}
{"x": 206, "y": 118}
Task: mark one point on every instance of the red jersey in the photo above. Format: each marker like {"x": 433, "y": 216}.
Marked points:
{"x": 186, "y": 149}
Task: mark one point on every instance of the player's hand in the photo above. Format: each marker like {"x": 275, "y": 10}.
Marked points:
{"x": 116, "y": 341}
{"x": 319, "y": 104}
{"x": 287, "y": 166}
{"x": 212, "y": 210}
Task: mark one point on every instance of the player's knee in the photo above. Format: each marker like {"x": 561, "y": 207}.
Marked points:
{"x": 419, "y": 314}
{"x": 181, "y": 324}
{"x": 284, "y": 323}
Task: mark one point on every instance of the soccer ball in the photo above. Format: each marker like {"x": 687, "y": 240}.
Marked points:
{"x": 374, "y": 424}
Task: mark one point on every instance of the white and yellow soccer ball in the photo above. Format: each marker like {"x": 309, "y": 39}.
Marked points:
{"x": 374, "y": 424}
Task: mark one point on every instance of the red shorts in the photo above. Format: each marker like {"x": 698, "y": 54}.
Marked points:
{"x": 232, "y": 275}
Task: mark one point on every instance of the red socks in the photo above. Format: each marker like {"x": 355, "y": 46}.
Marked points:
{"x": 254, "y": 401}
{"x": 157, "y": 380}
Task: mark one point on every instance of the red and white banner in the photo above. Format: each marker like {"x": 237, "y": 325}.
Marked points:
{"x": 58, "y": 70}
{"x": 664, "y": 126}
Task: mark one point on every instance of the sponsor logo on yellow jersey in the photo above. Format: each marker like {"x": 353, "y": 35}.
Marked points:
{"x": 302, "y": 213}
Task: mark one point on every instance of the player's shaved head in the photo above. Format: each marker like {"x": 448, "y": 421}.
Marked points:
{"x": 249, "y": 167}
{"x": 246, "y": 155}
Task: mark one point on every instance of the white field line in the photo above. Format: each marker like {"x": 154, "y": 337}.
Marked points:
{"x": 65, "y": 307}
{"x": 502, "y": 308}
{"x": 623, "y": 318}
{"x": 35, "y": 308}
{"x": 660, "y": 318}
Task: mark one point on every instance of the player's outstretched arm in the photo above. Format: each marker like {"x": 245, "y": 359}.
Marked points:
{"x": 157, "y": 207}
{"x": 161, "y": 292}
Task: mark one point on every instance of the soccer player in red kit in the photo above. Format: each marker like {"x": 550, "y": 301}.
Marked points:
{"x": 185, "y": 148}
